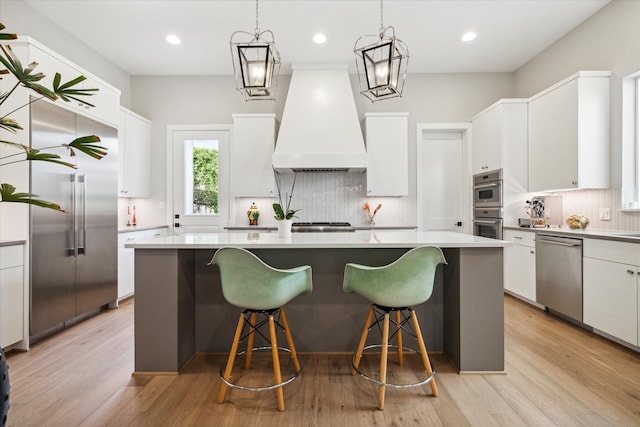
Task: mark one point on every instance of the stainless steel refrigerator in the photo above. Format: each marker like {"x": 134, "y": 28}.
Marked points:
{"x": 74, "y": 266}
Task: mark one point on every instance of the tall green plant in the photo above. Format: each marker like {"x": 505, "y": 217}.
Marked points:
{"x": 27, "y": 77}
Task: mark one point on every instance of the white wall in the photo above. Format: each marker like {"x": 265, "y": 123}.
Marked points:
{"x": 22, "y": 19}
{"x": 609, "y": 40}
{"x": 429, "y": 98}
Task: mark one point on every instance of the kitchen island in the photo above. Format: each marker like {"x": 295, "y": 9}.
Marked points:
{"x": 180, "y": 309}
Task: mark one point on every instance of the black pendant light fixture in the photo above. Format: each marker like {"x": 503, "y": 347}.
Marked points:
{"x": 381, "y": 63}
{"x": 256, "y": 63}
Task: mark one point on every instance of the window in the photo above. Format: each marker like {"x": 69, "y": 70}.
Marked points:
{"x": 631, "y": 142}
{"x": 201, "y": 177}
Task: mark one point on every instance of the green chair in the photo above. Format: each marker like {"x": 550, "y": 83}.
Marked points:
{"x": 259, "y": 289}
{"x": 394, "y": 288}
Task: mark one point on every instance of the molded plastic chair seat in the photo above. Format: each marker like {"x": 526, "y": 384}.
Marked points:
{"x": 394, "y": 288}
{"x": 258, "y": 288}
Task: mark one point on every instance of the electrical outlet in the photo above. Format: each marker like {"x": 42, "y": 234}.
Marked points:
{"x": 161, "y": 204}
{"x": 605, "y": 214}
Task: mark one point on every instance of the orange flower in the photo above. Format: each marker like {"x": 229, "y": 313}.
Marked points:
{"x": 367, "y": 207}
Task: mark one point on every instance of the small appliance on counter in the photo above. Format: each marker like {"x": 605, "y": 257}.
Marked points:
{"x": 543, "y": 211}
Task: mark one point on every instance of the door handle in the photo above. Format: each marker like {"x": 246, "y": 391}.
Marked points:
{"x": 82, "y": 179}
{"x": 553, "y": 242}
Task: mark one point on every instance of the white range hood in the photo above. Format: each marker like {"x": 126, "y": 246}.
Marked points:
{"x": 320, "y": 130}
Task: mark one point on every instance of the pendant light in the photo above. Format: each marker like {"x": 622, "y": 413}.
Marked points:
{"x": 256, "y": 63}
{"x": 381, "y": 63}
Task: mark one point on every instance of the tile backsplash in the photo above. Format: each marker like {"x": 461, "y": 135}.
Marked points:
{"x": 328, "y": 196}
{"x": 589, "y": 202}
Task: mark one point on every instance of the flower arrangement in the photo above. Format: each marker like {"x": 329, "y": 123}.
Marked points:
{"x": 286, "y": 212}
{"x": 370, "y": 214}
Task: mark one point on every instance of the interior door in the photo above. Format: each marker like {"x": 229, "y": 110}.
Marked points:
{"x": 441, "y": 175}
{"x": 200, "y": 188}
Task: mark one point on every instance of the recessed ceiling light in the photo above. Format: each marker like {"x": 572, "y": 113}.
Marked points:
{"x": 469, "y": 36}
{"x": 319, "y": 38}
{"x": 173, "y": 39}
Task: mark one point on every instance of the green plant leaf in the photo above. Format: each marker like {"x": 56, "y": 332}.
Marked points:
{"x": 86, "y": 145}
{"x": 36, "y": 155}
{"x": 279, "y": 213}
{"x": 67, "y": 92}
{"x": 9, "y": 125}
{"x": 25, "y": 75}
{"x": 8, "y": 194}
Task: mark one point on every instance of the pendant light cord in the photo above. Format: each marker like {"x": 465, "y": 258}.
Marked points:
{"x": 381, "y": 20}
{"x": 257, "y": 29}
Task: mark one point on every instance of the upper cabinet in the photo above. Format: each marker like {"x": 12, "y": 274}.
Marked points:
{"x": 569, "y": 134}
{"x": 254, "y": 137}
{"x": 387, "y": 136}
{"x": 134, "y": 160}
{"x": 500, "y": 137}
{"x": 105, "y": 101}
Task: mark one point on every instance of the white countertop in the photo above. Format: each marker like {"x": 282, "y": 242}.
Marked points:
{"x": 358, "y": 239}
{"x": 621, "y": 236}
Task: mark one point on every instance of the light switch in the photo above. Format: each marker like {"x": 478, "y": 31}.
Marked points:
{"x": 605, "y": 214}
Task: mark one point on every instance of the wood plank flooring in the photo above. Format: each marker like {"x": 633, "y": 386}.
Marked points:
{"x": 557, "y": 374}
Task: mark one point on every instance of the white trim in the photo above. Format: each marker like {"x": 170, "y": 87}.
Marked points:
{"x": 169, "y": 165}
{"x": 465, "y": 128}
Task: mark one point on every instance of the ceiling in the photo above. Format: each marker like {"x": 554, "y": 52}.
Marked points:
{"x": 131, "y": 33}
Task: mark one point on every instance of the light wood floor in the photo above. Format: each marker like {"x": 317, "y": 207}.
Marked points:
{"x": 557, "y": 375}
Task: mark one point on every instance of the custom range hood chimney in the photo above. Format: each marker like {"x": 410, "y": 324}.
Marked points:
{"x": 320, "y": 130}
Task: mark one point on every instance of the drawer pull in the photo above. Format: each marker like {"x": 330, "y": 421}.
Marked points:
{"x": 517, "y": 237}
{"x": 631, "y": 272}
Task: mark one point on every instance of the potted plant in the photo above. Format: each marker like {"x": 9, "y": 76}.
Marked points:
{"x": 27, "y": 77}
{"x": 284, "y": 215}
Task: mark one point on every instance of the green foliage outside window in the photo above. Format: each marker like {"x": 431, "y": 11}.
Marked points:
{"x": 205, "y": 181}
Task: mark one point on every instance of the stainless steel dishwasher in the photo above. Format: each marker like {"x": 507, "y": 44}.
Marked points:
{"x": 559, "y": 274}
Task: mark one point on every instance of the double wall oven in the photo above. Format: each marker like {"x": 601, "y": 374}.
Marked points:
{"x": 488, "y": 204}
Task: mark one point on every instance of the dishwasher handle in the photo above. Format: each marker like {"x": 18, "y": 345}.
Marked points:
{"x": 555, "y": 242}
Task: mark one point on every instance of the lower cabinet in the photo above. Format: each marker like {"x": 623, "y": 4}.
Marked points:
{"x": 611, "y": 288}
{"x": 520, "y": 264}
{"x": 12, "y": 288}
{"x": 126, "y": 257}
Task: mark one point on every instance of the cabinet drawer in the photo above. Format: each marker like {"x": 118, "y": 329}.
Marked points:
{"x": 620, "y": 252}
{"x": 523, "y": 238}
{"x": 11, "y": 256}
{"x": 130, "y": 237}
{"x": 154, "y": 234}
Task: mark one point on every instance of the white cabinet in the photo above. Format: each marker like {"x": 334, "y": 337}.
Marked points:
{"x": 387, "y": 154}
{"x": 499, "y": 138}
{"x": 134, "y": 159}
{"x": 105, "y": 101}
{"x": 520, "y": 264}
{"x": 12, "y": 307}
{"x": 126, "y": 257}
{"x": 254, "y": 137}
{"x": 610, "y": 288}
{"x": 569, "y": 134}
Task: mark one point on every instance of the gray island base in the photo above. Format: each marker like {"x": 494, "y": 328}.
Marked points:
{"x": 180, "y": 309}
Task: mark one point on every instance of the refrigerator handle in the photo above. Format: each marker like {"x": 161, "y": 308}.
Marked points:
{"x": 73, "y": 251}
{"x": 82, "y": 250}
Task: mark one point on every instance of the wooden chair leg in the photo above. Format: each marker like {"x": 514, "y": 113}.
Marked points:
{"x": 252, "y": 325}
{"x": 383, "y": 359}
{"x": 287, "y": 333}
{"x": 399, "y": 339}
{"x": 423, "y": 352}
{"x": 276, "y": 362}
{"x": 231, "y": 360}
{"x": 363, "y": 339}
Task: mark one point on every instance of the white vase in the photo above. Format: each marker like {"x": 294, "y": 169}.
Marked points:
{"x": 284, "y": 227}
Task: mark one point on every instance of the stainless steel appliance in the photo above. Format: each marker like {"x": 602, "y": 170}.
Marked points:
{"x": 319, "y": 227}
{"x": 74, "y": 254}
{"x": 487, "y": 204}
{"x": 487, "y": 190}
{"x": 543, "y": 211}
{"x": 559, "y": 274}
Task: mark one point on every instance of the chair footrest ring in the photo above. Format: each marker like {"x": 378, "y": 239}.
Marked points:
{"x": 374, "y": 380}
{"x": 268, "y": 387}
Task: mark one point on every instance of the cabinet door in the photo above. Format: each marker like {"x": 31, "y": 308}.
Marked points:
{"x": 553, "y": 139}
{"x": 478, "y": 144}
{"x": 610, "y": 298}
{"x": 134, "y": 162}
{"x": 387, "y": 154}
{"x": 493, "y": 138}
{"x": 126, "y": 262}
{"x": 11, "y": 295}
{"x": 520, "y": 264}
{"x": 252, "y": 154}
